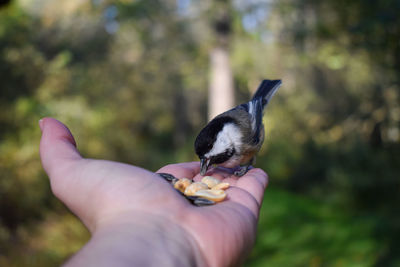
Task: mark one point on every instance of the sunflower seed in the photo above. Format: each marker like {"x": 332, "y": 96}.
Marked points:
{"x": 169, "y": 177}
{"x": 214, "y": 195}
{"x": 203, "y": 202}
{"x": 194, "y": 187}
{"x": 210, "y": 181}
{"x": 181, "y": 184}
{"x": 221, "y": 186}
{"x": 189, "y": 190}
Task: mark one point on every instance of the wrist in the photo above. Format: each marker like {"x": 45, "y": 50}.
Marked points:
{"x": 139, "y": 240}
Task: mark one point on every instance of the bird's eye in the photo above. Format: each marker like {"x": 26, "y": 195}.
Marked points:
{"x": 209, "y": 145}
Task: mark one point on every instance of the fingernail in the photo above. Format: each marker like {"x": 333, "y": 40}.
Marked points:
{"x": 41, "y": 124}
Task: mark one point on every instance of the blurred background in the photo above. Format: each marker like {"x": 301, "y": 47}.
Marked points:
{"x": 131, "y": 79}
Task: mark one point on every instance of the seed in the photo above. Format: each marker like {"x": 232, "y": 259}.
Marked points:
{"x": 198, "y": 193}
{"x": 203, "y": 202}
{"x": 194, "y": 187}
{"x": 199, "y": 201}
{"x": 210, "y": 181}
{"x": 214, "y": 195}
{"x": 181, "y": 184}
{"x": 169, "y": 177}
{"x": 221, "y": 186}
{"x": 191, "y": 198}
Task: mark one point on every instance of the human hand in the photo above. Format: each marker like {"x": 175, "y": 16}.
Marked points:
{"x": 136, "y": 217}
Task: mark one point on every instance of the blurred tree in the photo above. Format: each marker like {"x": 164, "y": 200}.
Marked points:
{"x": 4, "y": 3}
{"x": 221, "y": 91}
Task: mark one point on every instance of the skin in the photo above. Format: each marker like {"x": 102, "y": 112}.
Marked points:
{"x": 137, "y": 219}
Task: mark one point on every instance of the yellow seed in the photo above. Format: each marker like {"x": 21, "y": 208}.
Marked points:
{"x": 194, "y": 187}
{"x": 210, "y": 181}
{"x": 214, "y": 195}
{"x": 221, "y": 186}
{"x": 182, "y": 184}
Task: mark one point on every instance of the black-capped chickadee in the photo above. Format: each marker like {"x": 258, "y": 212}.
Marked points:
{"x": 233, "y": 138}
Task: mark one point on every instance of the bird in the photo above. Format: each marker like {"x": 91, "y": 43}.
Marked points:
{"x": 233, "y": 138}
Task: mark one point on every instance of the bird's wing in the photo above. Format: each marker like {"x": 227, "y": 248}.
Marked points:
{"x": 252, "y": 113}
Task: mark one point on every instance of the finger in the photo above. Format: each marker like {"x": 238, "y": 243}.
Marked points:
{"x": 57, "y": 147}
{"x": 247, "y": 191}
{"x": 181, "y": 170}
{"x": 255, "y": 181}
{"x": 237, "y": 195}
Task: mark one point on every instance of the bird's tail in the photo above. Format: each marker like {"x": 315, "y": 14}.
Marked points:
{"x": 257, "y": 104}
{"x": 266, "y": 90}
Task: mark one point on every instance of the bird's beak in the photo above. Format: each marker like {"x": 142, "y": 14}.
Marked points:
{"x": 204, "y": 164}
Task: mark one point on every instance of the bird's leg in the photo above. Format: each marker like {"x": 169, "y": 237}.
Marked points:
{"x": 244, "y": 169}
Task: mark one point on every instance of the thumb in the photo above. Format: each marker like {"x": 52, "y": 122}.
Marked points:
{"x": 57, "y": 147}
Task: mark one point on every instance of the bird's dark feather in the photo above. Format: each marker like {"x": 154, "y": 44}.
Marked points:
{"x": 266, "y": 90}
{"x": 207, "y": 136}
{"x": 221, "y": 158}
{"x": 260, "y": 99}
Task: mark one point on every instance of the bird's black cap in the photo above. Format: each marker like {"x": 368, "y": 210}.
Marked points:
{"x": 207, "y": 136}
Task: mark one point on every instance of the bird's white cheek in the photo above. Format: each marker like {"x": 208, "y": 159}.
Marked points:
{"x": 219, "y": 147}
{"x": 228, "y": 138}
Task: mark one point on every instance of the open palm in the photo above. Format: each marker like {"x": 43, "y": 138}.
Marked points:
{"x": 102, "y": 192}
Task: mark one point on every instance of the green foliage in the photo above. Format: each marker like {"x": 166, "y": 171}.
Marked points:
{"x": 130, "y": 80}
{"x": 297, "y": 231}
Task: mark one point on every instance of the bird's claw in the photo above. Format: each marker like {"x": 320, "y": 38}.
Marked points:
{"x": 242, "y": 171}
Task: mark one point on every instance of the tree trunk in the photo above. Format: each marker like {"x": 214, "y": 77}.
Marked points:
{"x": 221, "y": 90}
{"x": 221, "y": 93}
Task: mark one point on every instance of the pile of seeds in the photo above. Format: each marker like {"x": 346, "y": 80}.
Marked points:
{"x": 204, "y": 193}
